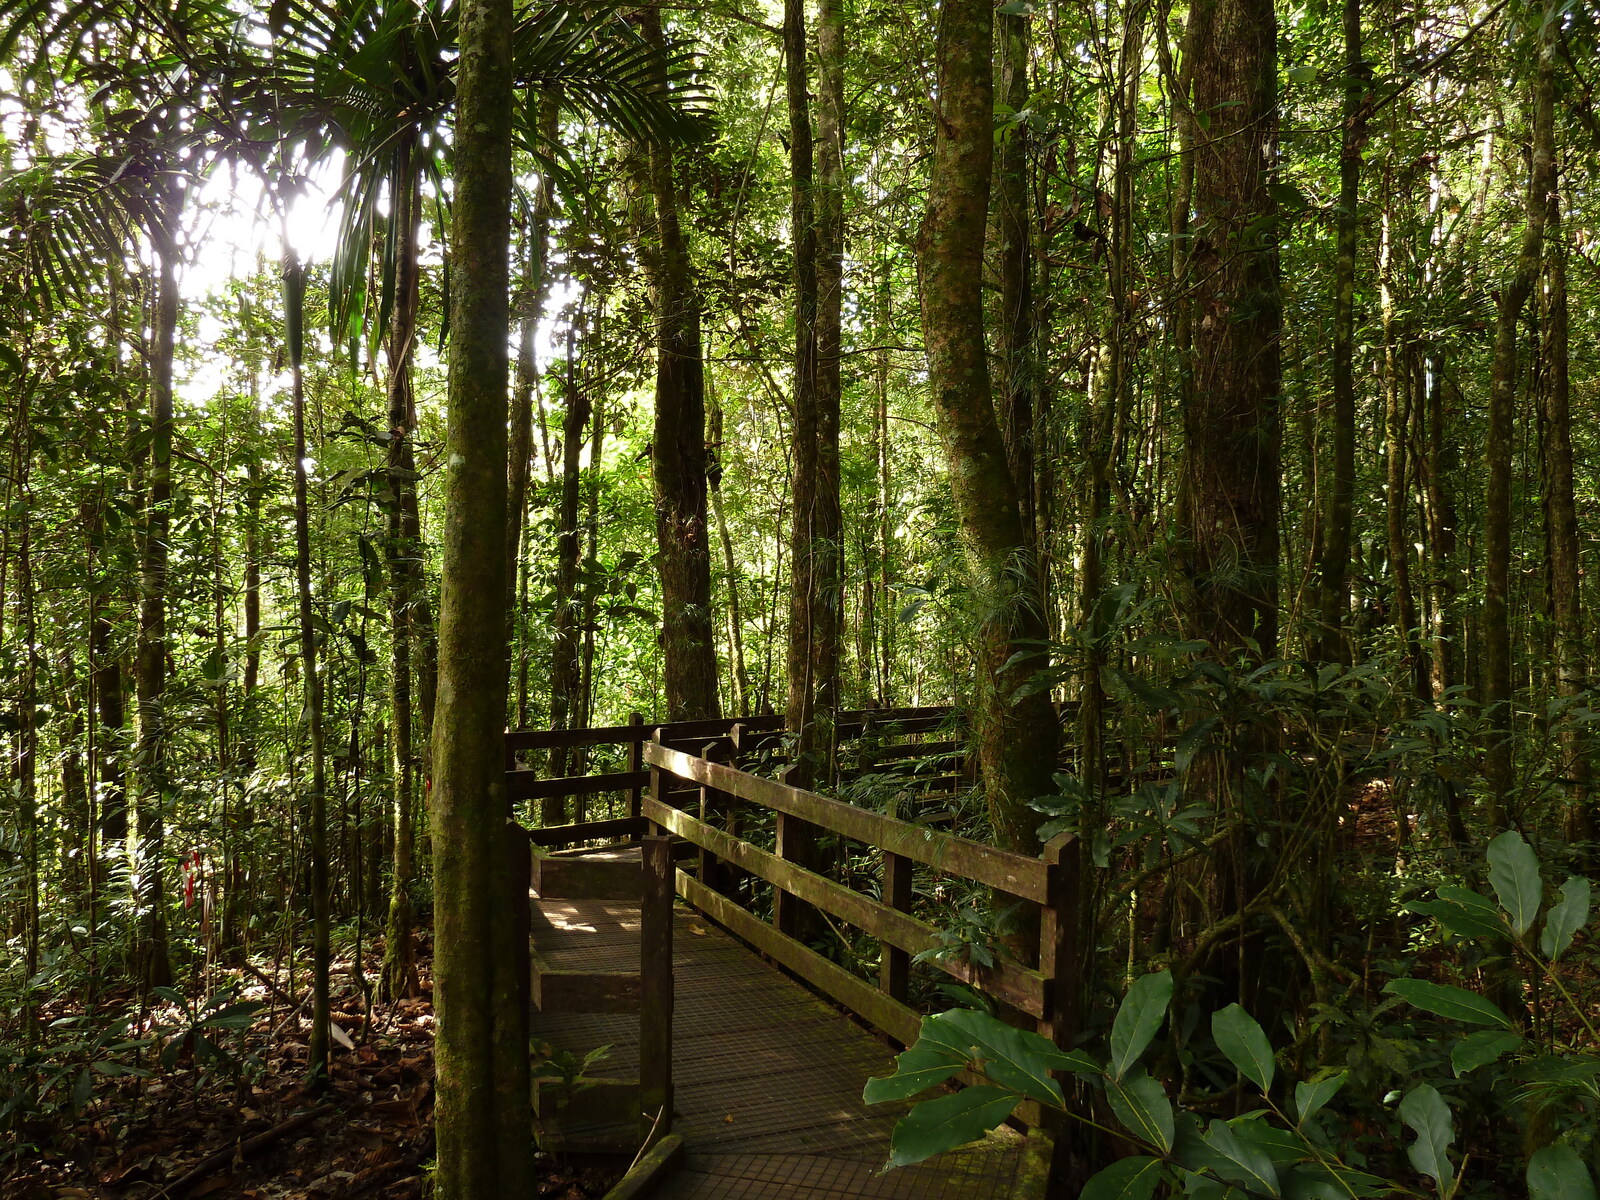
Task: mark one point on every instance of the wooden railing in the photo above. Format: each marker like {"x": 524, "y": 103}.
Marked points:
{"x": 709, "y": 805}
{"x": 1036, "y": 989}
{"x": 743, "y": 740}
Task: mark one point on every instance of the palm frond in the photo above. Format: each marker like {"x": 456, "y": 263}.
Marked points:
{"x": 72, "y": 218}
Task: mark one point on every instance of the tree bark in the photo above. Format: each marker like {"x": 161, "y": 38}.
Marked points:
{"x": 1498, "y": 692}
{"x": 152, "y": 966}
{"x": 317, "y": 1067}
{"x": 815, "y": 217}
{"x": 483, "y": 1116}
{"x": 403, "y": 556}
{"x": 1336, "y": 522}
{"x": 1016, "y": 735}
{"x": 678, "y": 451}
{"x": 1230, "y": 484}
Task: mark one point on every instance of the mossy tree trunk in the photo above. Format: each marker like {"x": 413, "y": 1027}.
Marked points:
{"x": 1016, "y": 735}
{"x": 482, "y": 1122}
{"x": 678, "y": 450}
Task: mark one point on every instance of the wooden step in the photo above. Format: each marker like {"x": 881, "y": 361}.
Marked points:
{"x": 598, "y": 1115}
{"x": 560, "y": 991}
{"x": 599, "y": 876}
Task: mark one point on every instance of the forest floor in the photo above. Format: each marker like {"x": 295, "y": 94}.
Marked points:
{"x": 247, "y": 1129}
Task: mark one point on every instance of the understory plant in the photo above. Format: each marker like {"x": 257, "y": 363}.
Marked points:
{"x": 1295, "y": 1142}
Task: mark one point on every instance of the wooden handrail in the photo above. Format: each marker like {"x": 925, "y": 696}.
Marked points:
{"x": 527, "y": 785}
{"x": 1016, "y": 985}
{"x": 923, "y": 719}
{"x": 1015, "y": 874}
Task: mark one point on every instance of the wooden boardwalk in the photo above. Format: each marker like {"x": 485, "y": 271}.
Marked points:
{"x": 767, "y": 1076}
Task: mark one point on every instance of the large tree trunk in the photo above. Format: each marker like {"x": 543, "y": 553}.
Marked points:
{"x": 815, "y": 216}
{"x": 678, "y": 451}
{"x": 483, "y": 1117}
{"x": 1229, "y": 500}
{"x": 1497, "y": 688}
{"x": 1230, "y": 483}
{"x": 1016, "y": 736}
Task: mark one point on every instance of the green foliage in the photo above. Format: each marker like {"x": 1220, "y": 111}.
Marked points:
{"x": 1306, "y": 1149}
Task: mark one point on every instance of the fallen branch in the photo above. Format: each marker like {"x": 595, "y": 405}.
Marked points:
{"x": 228, "y": 1155}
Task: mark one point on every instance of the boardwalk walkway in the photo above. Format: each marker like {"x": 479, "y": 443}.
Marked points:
{"x": 768, "y": 1077}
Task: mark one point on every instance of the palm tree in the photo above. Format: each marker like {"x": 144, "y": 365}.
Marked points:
{"x": 77, "y": 217}
{"x": 374, "y": 83}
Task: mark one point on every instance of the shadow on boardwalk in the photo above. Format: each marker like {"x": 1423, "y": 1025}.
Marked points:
{"x": 768, "y": 1077}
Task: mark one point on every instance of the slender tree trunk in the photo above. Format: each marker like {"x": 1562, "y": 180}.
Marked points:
{"x": 153, "y": 968}
{"x": 403, "y": 553}
{"x": 1498, "y": 688}
{"x": 1016, "y": 735}
{"x": 566, "y": 645}
{"x": 730, "y": 565}
{"x": 483, "y": 1116}
{"x": 1437, "y": 465}
{"x": 529, "y": 310}
{"x": 1561, "y": 515}
{"x": 1336, "y": 523}
{"x": 678, "y": 450}
{"x": 317, "y": 1067}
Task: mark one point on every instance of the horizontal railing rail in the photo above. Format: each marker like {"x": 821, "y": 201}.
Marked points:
{"x": 1045, "y": 881}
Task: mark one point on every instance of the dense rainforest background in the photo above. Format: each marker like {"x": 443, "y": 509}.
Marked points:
{"x": 1197, "y": 396}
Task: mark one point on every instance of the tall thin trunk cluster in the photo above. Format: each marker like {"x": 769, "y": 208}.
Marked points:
{"x": 816, "y": 218}
{"x": 678, "y": 450}
{"x": 1016, "y": 731}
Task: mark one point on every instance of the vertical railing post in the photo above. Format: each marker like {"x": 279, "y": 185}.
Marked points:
{"x": 709, "y": 870}
{"x": 1059, "y": 962}
{"x": 790, "y": 845}
{"x": 520, "y": 874}
{"x": 658, "y": 784}
{"x": 635, "y": 763}
{"x": 656, "y": 984}
{"x": 894, "y": 969}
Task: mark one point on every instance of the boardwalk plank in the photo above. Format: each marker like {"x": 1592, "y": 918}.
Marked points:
{"x": 768, "y": 1076}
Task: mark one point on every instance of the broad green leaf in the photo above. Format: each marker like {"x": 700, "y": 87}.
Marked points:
{"x": 946, "y": 1122}
{"x": 1470, "y": 913}
{"x": 916, "y": 1070}
{"x": 1241, "y": 1039}
{"x": 1307, "y": 1185}
{"x": 1442, "y": 1000}
{"x": 1481, "y": 1048}
{"x": 1427, "y": 1115}
{"x": 1246, "y": 1163}
{"x": 1302, "y": 73}
{"x": 1143, "y": 1108}
{"x": 1514, "y": 875}
{"x": 1311, "y": 1095}
{"x": 1015, "y": 1058}
{"x": 1557, "y": 1173}
{"x": 1139, "y": 1017}
{"x": 1318, "y": 1182}
{"x": 1566, "y": 916}
{"x": 1134, "y": 1178}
